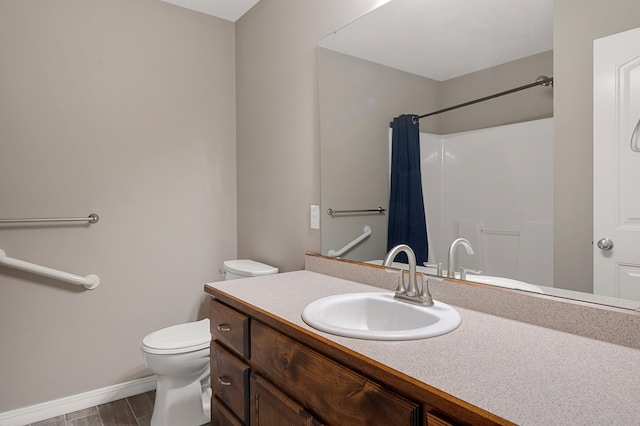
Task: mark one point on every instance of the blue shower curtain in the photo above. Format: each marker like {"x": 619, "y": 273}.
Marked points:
{"x": 407, "y": 224}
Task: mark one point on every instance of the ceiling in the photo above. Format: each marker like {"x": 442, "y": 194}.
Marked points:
{"x": 443, "y": 39}
{"x": 231, "y": 10}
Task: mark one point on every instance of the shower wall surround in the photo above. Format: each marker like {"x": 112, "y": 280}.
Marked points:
{"x": 494, "y": 187}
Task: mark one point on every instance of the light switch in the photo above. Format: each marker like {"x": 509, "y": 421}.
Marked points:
{"x": 315, "y": 216}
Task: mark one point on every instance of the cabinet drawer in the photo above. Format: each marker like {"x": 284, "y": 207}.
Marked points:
{"x": 330, "y": 391}
{"x": 221, "y": 416}
{"x": 231, "y": 328}
{"x": 230, "y": 380}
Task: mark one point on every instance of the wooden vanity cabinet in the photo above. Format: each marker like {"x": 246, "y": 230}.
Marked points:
{"x": 268, "y": 372}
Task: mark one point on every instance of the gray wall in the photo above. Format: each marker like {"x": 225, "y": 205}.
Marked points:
{"x": 576, "y": 24}
{"x": 526, "y": 105}
{"x": 126, "y": 109}
{"x": 278, "y": 136}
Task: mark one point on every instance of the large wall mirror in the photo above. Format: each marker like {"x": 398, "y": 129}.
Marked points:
{"x": 513, "y": 175}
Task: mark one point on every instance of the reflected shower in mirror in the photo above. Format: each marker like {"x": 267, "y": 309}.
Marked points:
{"x": 488, "y": 169}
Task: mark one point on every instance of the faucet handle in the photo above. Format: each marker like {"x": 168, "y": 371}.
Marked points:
{"x": 400, "y": 289}
{"x": 464, "y": 271}
{"x": 425, "y": 294}
{"x": 438, "y": 267}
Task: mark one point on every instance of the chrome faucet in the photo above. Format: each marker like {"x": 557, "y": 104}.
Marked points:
{"x": 451, "y": 273}
{"x": 412, "y": 290}
{"x": 411, "y": 294}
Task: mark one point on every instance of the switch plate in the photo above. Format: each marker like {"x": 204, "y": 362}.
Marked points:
{"x": 315, "y": 216}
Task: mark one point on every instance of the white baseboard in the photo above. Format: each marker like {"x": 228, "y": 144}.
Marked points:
{"x": 47, "y": 410}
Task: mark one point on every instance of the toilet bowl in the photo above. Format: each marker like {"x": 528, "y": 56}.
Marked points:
{"x": 179, "y": 357}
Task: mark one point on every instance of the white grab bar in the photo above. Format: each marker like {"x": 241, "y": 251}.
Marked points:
{"x": 89, "y": 282}
{"x": 367, "y": 232}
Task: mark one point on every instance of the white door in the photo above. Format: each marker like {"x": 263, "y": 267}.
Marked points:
{"x": 616, "y": 188}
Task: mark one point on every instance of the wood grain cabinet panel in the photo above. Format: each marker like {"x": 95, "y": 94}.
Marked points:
{"x": 231, "y": 328}
{"x": 230, "y": 380}
{"x": 270, "y": 406}
{"x": 221, "y": 416}
{"x": 435, "y": 420}
{"x": 330, "y": 391}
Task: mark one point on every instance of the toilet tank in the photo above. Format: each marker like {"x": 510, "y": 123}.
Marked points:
{"x": 245, "y": 268}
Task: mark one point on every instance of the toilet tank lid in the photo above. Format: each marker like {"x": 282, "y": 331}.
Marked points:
{"x": 248, "y": 268}
{"x": 181, "y": 336}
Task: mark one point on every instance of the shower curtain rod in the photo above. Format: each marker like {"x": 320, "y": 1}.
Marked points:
{"x": 543, "y": 80}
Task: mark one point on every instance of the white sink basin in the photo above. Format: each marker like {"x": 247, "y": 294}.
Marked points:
{"x": 378, "y": 316}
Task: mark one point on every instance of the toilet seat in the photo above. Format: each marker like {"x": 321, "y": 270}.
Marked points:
{"x": 177, "y": 339}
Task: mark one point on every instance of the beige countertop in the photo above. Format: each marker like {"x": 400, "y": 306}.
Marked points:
{"x": 524, "y": 373}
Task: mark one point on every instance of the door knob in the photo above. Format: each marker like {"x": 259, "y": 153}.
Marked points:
{"x": 605, "y": 244}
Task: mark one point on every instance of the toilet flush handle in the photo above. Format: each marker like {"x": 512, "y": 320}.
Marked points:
{"x": 224, "y": 328}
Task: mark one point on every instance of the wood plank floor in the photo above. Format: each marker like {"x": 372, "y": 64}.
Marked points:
{"x": 135, "y": 410}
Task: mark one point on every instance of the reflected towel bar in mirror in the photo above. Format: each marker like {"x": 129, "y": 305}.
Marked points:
{"x": 500, "y": 232}
{"x": 332, "y": 212}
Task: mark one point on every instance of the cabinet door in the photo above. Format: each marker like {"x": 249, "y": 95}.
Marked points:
{"x": 221, "y": 416}
{"x": 327, "y": 389}
{"x": 270, "y": 407}
{"x": 229, "y": 380}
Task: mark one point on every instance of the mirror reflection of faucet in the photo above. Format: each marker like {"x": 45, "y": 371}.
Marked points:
{"x": 437, "y": 266}
{"x": 464, "y": 271}
{"x": 451, "y": 273}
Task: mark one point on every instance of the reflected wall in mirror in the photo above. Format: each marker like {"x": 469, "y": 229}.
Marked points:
{"x": 359, "y": 96}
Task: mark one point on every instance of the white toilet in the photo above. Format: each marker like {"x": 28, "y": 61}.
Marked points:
{"x": 179, "y": 357}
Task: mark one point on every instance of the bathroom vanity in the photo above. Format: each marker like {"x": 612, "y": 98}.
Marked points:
{"x": 306, "y": 379}
{"x": 269, "y": 367}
